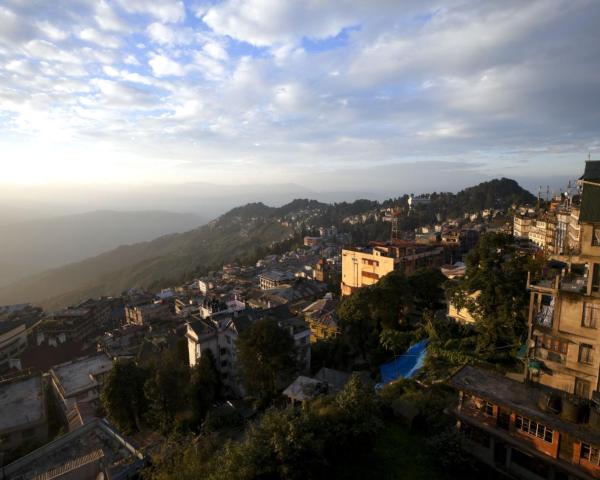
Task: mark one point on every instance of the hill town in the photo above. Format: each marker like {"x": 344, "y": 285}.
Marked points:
{"x": 432, "y": 335}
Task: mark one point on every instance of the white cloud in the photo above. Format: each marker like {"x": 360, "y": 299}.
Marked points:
{"x": 51, "y": 31}
{"x": 163, "y": 66}
{"x": 272, "y": 22}
{"x": 216, "y": 51}
{"x": 131, "y": 60}
{"x": 168, "y": 11}
{"x": 95, "y": 36}
{"x": 167, "y": 35}
{"x": 107, "y": 19}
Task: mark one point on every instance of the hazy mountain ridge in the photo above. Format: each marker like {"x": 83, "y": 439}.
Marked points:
{"x": 234, "y": 235}
{"x": 34, "y": 246}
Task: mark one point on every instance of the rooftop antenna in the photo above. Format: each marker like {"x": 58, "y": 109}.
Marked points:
{"x": 547, "y": 193}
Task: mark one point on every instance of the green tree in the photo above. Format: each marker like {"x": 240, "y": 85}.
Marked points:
{"x": 267, "y": 358}
{"x": 165, "y": 391}
{"x": 497, "y": 274}
{"x": 123, "y": 396}
{"x": 205, "y": 386}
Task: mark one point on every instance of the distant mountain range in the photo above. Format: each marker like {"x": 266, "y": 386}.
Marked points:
{"x": 32, "y": 246}
{"x": 238, "y": 234}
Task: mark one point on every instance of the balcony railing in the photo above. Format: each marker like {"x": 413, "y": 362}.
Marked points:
{"x": 549, "y": 355}
{"x": 574, "y": 283}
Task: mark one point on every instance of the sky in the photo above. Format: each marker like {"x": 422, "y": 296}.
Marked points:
{"x": 344, "y": 94}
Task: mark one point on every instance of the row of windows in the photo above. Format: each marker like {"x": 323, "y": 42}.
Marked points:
{"x": 534, "y": 428}
{"x": 553, "y": 344}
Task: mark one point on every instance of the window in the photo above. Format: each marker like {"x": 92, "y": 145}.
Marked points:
{"x": 591, "y": 313}
{"x": 596, "y": 278}
{"x": 534, "y": 429}
{"x": 551, "y": 343}
{"x": 488, "y": 409}
{"x": 373, "y": 276}
{"x": 366, "y": 261}
{"x": 596, "y": 236}
{"x": 586, "y": 354}
{"x": 582, "y": 388}
{"x": 590, "y": 453}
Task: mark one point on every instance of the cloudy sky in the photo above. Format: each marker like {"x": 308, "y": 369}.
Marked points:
{"x": 242, "y": 91}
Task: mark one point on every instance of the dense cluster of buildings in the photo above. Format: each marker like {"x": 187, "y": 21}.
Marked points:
{"x": 546, "y": 424}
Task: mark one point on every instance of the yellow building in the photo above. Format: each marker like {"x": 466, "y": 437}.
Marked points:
{"x": 322, "y": 319}
{"x": 365, "y": 266}
{"x": 462, "y": 315}
{"x": 564, "y": 314}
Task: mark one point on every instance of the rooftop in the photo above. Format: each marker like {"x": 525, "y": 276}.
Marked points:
{"x": 22, "y": 402}
{"x": 590, "y": 203}
{"x": 73, "y": 450}
{"x": 592, "y": 170}
{"x": 519, "y": 397}
{"x": 305, "y": 388}
{"x": 77, "y": 375}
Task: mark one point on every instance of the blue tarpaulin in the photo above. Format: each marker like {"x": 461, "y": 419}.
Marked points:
{"x": 406, "y": 365}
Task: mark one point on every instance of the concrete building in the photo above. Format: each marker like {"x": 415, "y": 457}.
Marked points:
{"x": 522, "y": 223}
{"x": 218, "y": 334}
{"x": 146, "y": 314}
{"x": 17, "y": 326}
{"x": 210, "y": 307}
{"x": 300, "y": 332}
{"x": 23, "y": 417}
{"x": 365, "y": 266}
{"x": 274, "y": 279}
{"x": 92, "y": 452}
{"x": 322, "y": 319}
{"x": 524, "y": 431}
{"x": 79, "y": 382}
{"x": 564, "y": 314}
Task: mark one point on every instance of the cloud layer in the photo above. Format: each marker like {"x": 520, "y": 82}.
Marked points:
{"x": 264, "y": 90}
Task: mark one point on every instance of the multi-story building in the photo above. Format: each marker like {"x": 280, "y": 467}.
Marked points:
{"x": 365, "y": 266}
{"x": 564, "y": 314}
{"x": 71, "y": 323}
{"x": 274, "y": 279}
{"x": 146, "y": 314}
{"x": 218, "y": 334}
{"x": 322, "y": 319}
{"x": 94, "y": 451}
{"x": 525, "y": 431}
{"x": 78, "y": 383}
{"x": 522, "y": 223}
{"x": 23, "y": 417}
{"x": 17, "y": 324}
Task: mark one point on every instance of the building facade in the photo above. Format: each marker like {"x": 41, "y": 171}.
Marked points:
{"x": 525, "y": 431}
{"x": 564, "y": 313}
{"x": 365, "y": 266}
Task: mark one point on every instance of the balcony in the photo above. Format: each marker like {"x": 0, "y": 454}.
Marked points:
{"x": 573, "y": 283}
{"x": 550, "y": 356}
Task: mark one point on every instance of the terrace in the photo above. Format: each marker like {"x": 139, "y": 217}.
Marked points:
{"x": 555, "y": 276}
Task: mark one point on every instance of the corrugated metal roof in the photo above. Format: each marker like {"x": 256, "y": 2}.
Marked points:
{"x": 590, "y": 203}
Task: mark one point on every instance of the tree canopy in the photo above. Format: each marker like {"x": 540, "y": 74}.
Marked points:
{"x": 266, "y": 358}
